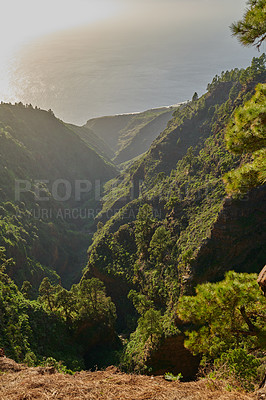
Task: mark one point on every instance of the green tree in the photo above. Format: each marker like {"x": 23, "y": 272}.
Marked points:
{"x": 140, "y": 302}
{"x": 246, "y": 134}
{"x": 225, "y": 315}
{"x": 143, "y": 229}
{"x": 66, "y": 302}
{"x": 160, "y": 246}
{"x": 150, "y": 326}
{"x": 251, "y": 30}
{"x": 5, "y": 262}
{"x": 240, "y": 365}
{"x": 144, "y": 340}
{"x": 195, "y": 97}
{"x": 26, "y": 289}
{"x": 99, "y": 226}
{"x": 47, "y": 293}
{"x": 93, "y": 302}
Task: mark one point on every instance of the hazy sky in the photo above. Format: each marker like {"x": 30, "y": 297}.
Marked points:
{"x": 84, "y": 58}
{"x": 26, "y": 20}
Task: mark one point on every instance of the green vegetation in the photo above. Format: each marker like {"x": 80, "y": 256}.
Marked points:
{"x": 152, "y": 327}
{"x": 60, "y": 326}
{"x": 163, "y": 229}
{"x": 38, "y": 234}
{"x": 92, "y": 140}
{"x": 238, "y": 366}
{"x": 40, "y": 246}
{"x": 190, "y": 126}
{"x": 228, "y": 314}
{"x": 188, "y": 197}
{"x": 246, "y": 134}
{"x": 168, "y": 376}
{"x": 129, "y": 135}
{"x": 251, "y": 30}
{"x": 227, "y": 323}
{"x": 153, "y": 243}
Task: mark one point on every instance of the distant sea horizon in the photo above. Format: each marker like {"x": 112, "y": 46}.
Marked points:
{"x": 126, "y": 67}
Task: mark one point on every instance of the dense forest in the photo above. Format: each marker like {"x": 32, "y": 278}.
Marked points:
{"x": 157, "y": 271}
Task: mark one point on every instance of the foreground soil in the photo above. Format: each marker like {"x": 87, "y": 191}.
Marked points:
{"x": 18, "y": 382}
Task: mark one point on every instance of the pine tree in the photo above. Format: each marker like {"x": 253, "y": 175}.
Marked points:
{"x": 246, "y": 134}
{"x": 251, "y": 30}
{"x": 225, "y": 315}
{"x": 195, "y": 97}
{"x": 143, "y": 229}
{"x": 47, "y": 293}
{"x": 26, "y": 289}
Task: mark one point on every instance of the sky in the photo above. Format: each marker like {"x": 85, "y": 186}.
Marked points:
{"x": 85, "y": 58}
{"x": 24, "y": 21}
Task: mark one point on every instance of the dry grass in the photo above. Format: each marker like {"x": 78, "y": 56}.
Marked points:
{"x": 21, "y": 383}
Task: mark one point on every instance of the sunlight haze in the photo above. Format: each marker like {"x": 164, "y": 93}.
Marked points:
{"x": 87, "y": 58}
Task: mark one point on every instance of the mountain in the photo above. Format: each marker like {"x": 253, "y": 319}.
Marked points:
{"x": 130, "y": 135}
{"x": 166, "y": 222}
{"x": 92, "y": 140}
{"x": 161, "y": 226}
{"x": 40, "y": 156}
{"x": 57, "y": 151}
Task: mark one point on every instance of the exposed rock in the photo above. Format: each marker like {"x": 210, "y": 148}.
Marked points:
{"x": 237, "y": 240}
{"x": 172, "y": 356}
{"x": 262, "y": 280}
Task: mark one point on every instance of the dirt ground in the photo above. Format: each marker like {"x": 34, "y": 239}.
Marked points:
{"x": 18, "y": 382}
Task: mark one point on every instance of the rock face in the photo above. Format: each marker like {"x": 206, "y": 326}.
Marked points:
{"x": 173, "y": 357}
{"x": 262, "y": 283}
{"x": 237, "y": 240}
{"x": 262, "y": 280}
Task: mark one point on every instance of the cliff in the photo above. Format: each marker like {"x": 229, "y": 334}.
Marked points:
{"x": 237, "y": 239}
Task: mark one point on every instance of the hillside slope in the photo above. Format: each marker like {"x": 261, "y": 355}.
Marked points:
{"x": 55, "y": 150}
{"x": 37, "y": 229}
{"x": 92, "y": 140}
{"x": 166, "y": 221}
{"x": 130, "y": 135}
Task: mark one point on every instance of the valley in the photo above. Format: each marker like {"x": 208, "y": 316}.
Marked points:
{"x": 121, "y": 241}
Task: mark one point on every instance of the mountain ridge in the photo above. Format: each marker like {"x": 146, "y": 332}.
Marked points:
{"x": 130, "y": 135}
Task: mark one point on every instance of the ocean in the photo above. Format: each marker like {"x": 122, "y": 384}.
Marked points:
{"x": 129, "y": 63}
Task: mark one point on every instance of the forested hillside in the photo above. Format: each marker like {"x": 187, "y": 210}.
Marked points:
{"x": 92, "y": 140}
{"x": 130, "y": 135}
{"x": 175, "y": 239}
{"x": 37, "y": 152}
{"x": 43, "y": 243}
{"x": 173, "y": 225}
